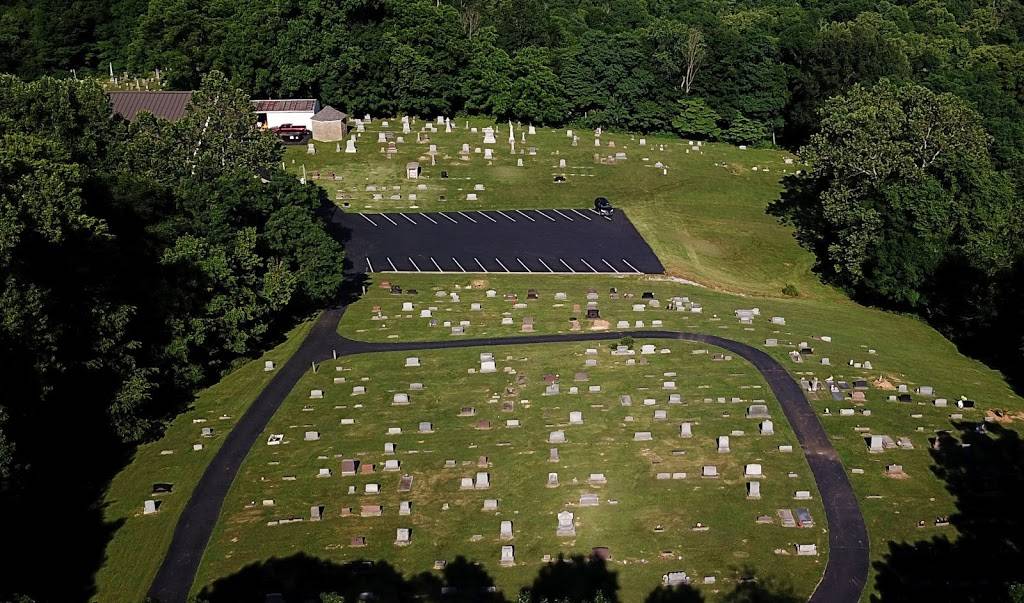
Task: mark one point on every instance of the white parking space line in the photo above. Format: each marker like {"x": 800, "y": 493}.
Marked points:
{"x": 527, "y": 216}
{"x": 369, "y": 220}
{"x": 614, "y": 269}
{"x": 486, "y": 216}
{"x": 527, "y": 268}
{"x": 467, "y": 217}
{"x": 502, "y": 265}
{"x": 506, "y": 215}
{"x": 385, "y": 216}
{"x": 428, "y": 217}
{"x": 369, "y": 264}
{"x": 624, "y": 261}
{"x": 435, "y": 264}
{"x": 566, "y": 265}
{"x": 592, "y": 269}
{"x": 609, "y": 218}
{"x": 393, "y": 269}
{"x": 582, "y": 215}
{"x": 482, "y": 269}
{"x": 545, "y": 215}
{"x": 458, "y": 264}
{"x": 414, "y": 265}
{"x": 563, "y": 215}
{"x": 545, "y": 264}
{"x": 408, "y": 218}
{"x": 453, "y": 220}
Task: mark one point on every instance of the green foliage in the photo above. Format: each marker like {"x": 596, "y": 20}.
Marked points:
{"x": 902, "y": 205}
{"x": 189, "y": 249}
{"x": 696, "y": 120}
{"x": 744, "y": 131}
{"x": 1016, "y": 592}
{"x": 790, "y": 290}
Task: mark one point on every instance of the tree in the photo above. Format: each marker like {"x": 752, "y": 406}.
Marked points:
{"x": 900, "y": 178}
{"x": 743, "y": 130}
{"x": 696, "y": 119}
{"x": 693, "y": 57}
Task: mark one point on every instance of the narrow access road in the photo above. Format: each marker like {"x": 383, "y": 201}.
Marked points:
{"x": 845, "y": 573}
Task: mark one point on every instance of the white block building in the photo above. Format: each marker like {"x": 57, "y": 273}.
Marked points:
{"x": 271, "y": 113}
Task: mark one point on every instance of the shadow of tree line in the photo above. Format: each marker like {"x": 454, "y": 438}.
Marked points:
{"x": 983, "y": 467}
{"x": 301, "y": 578}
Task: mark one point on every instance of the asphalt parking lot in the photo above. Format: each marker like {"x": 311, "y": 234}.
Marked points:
{"x": 545, "y": 241}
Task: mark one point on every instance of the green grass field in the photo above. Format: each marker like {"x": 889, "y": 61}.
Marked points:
{"x": 137, "y": 548}
{"x": 631, "y": 505}
{"x": 906, "y": 351}
{"x": 705, "y": 219}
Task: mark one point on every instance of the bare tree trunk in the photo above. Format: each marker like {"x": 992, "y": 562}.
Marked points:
{"x": 470, "y": 15}
{"x": 694, "y": 56}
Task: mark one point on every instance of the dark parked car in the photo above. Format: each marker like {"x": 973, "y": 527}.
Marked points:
{"x": 603, "y": 206}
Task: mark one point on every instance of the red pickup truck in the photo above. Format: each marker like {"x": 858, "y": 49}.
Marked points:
{"x": 290, "y": 134}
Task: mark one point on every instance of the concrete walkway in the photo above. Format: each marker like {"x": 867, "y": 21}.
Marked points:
{"x": 845, "y": 574}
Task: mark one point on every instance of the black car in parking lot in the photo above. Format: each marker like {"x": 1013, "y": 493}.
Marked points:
{"x": 603, "y": 206}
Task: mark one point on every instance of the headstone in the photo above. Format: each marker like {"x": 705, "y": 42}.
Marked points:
{"x": 723, "y": 444}
{"x": 505, "y": 530}
{"x": 150, "y": 506}
{"x": 403, "y": 536}
{"x": 752, "y": 470}
{"x": 767, "y": 427}
{"x": 507, "y": 556}
{"x": 753, "y": 490}
{"x": 685, "y": 430}
{"x": 566, "y": 526}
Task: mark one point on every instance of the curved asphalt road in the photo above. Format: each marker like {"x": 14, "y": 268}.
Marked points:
{"x": 845, "y": 573}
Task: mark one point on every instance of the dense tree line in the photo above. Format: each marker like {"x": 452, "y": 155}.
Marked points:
{"x": 138, "y": 262}
{"x": 904, "y": 205}
{"x": 740, "y": 71}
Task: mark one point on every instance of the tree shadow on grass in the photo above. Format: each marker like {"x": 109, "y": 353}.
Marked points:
{"x": 302, "y": 578}
{"x": 754, "y": 588}
{"x": 683, "y": 593}
{"x": 576, "y": 579}
{"x": 983, "y": 468}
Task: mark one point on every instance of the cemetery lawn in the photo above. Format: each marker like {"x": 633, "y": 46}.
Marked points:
{"x": 705, "y": 219}
{"x": 519, "y": 466}
{"x": 907, "y": 351}
{"x": 138, "y": 545}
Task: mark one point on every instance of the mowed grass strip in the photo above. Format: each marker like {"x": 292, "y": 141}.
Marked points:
{"x": 139, "y": 543}
{"x": 702, "y": 212}
{"x": 519, "y": 467}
